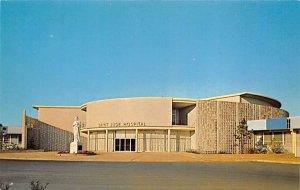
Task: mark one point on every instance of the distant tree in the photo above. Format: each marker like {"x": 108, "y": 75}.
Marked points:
{"x": 242, "y": 135}
{"x": 1, "y": 136}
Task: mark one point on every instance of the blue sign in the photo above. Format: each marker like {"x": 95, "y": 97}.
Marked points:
{"x": 273, "y": 124}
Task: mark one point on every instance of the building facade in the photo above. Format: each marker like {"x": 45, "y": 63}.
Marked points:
{"x": 151, "y": 124}
{"x": 283, "y": 131}
{"x": 11, "y": 138}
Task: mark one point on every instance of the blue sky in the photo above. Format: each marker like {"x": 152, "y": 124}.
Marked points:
{"x": 68, "y": 53}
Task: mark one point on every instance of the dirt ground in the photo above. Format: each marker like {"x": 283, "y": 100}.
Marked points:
{"x": 152, "y": 157}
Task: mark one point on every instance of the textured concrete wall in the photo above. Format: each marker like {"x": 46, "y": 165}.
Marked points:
{"x": 226, "y": 124}
{"x": 206, "y": 129}
{"x": 41, "y": 135}
{"x": 217, "y": 122}
{"x": 24, "y": 130}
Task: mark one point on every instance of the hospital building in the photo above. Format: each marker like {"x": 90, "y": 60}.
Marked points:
{"x": 162, "y": 124}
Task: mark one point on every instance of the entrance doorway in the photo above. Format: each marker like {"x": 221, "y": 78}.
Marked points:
{"x": 125, "y": 145}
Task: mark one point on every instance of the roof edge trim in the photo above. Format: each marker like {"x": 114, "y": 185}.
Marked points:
{"x": 68, "y": 107}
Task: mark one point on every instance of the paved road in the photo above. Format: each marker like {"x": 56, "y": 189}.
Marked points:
{"x": 99, "y": 175}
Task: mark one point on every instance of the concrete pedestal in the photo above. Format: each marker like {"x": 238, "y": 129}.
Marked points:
{"x": 75, "y": 147}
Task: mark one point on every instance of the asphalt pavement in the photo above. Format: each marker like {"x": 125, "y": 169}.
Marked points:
{"x": 106, "y": 175}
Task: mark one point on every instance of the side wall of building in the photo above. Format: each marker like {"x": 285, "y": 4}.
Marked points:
{"x": 188, "y": 114}
{"x": 41, "y": 135}
{"x": 61, "y": 117}
{"x": 296, "y": 142}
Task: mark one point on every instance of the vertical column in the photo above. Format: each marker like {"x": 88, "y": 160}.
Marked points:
{"x": 217, "y": 127}
{"x": 136, "y": 140}
{"x": 24, "y": 130}
{"x": 283, "y": 140}
{"x": 106, "y": 140}
{"x": 237, "y": 118}
{"x": 88, "y": 146}
{"x": 169, "y": 140}
{"x": 294, "y": 143}
{"x": 196, "y": 141}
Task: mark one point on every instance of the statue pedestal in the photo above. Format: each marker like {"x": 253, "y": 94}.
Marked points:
{"x": 75, "y": 147}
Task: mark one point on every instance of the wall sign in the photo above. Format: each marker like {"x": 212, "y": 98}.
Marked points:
{"x": 123, "y": 124}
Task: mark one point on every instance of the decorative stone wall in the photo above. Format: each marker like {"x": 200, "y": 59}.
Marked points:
{"x": 217, "y": 121}
{"x": 226, "y": 124}
{"x": 206, "y": 127}
{"x": 50, "y": 138}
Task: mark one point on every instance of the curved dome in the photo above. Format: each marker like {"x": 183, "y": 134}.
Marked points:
{"x": 272, "y": 101}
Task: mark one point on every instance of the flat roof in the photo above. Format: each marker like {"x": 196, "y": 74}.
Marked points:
{"x": 14, "y": 130}
{"x": 38, "y": 106}
{"x": 186, "y": 101}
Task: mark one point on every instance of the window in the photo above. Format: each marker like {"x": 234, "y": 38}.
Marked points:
{"x": 117, "y": 144}
{"x": 274, "y": 136}
{"x": 132, "y": 144}
{"x": 124, "y": 144}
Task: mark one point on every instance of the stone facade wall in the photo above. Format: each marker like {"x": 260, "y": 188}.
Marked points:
{"x": 47, "y": 137}
{"x": 226, "y": 124}
{"x": 217, "y": 122}
{"x": 206, "y": 128}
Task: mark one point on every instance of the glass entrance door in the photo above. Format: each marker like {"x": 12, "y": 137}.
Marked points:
{"x": 125, "y": 145}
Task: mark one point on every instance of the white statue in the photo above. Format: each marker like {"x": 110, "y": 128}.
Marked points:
{"x": 76, "y": 130}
